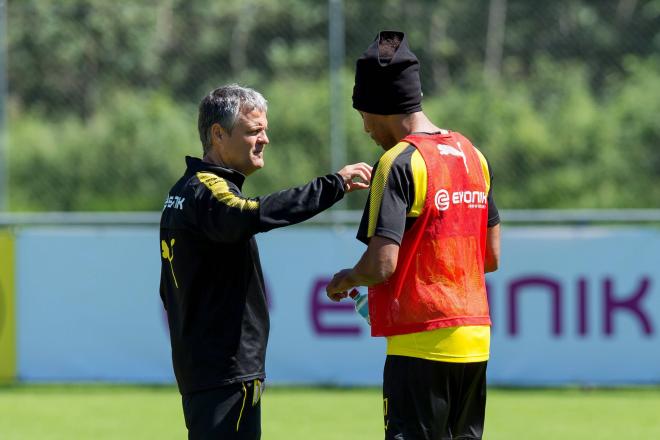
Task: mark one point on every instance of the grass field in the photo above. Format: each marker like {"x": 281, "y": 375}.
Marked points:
{"x": 121, "y": 412}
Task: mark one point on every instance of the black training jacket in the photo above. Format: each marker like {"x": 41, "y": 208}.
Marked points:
{"x": 211, "y": 282}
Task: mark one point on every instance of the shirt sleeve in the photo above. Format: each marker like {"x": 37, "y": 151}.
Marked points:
{"x": 224, "y": 215}
{"x": 493, "y": 213}
{"x": 391, "y": 196}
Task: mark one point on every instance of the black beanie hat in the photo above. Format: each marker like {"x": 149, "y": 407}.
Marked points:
{"x": 387, "y": 84}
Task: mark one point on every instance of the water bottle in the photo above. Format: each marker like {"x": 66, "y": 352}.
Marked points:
{"x": 361, "y": 304}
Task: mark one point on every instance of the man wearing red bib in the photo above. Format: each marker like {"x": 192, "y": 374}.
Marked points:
{"x": 432, "y": 230}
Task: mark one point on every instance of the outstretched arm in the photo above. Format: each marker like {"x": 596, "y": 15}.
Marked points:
{"x": 225, "y": 215}
{"x": 295, "y": 205}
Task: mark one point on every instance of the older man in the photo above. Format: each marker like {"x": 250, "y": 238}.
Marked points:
{"x": 211, "y": 280}
{"x": 432, "y": 230}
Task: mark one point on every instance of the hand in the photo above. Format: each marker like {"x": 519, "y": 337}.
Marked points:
{"x": 338, "y": 287}
{"x": 360, "y": 171}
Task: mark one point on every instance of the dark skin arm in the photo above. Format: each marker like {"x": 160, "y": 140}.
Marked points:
{"x": 379, "y": 261}
{"x": 375, "y": 266}
{"x": 492, "y": 249}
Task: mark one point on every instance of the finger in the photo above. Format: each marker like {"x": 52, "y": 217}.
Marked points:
{"x": 360, "y": 185}
{"x": 331, "y": 288}
{"x": 367, "y": 170}
{"x": 361, "y": 170}
{"x": 361, "y": 167}
{"x": 362, "y": 174}
{"x": 353, "y": 186}
{"x": 366, "y": 166}
{"x": 358, "y": 177}
{"x": 337, "y": 296}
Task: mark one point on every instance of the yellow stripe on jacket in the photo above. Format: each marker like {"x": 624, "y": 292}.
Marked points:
{"x": 220, "y": 190}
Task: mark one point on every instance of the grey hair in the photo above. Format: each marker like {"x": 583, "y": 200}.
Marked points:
{"x": 222, "y": 106}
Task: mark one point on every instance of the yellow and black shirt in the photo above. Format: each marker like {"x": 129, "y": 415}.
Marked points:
{"x": 396, "y": 199}
{"x": 211, "y": 281}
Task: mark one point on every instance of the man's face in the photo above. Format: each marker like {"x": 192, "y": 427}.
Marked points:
{"x": 243, "y": 149}
{"x": 376, "y": 127}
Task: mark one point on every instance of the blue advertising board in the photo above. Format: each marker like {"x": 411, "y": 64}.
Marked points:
{"x": 569, "y": 306}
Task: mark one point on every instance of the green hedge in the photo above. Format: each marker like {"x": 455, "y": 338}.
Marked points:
{"x": 552, "y": 142}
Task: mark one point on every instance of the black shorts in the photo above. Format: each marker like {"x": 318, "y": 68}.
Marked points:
{"x": 229, "y": 412}
{"x": 431, "y": 400}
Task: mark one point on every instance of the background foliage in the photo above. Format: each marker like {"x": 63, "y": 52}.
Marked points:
{"x": 103, "y": 95}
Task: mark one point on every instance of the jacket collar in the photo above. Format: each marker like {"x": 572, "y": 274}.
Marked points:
{"x": 196, "y": 165}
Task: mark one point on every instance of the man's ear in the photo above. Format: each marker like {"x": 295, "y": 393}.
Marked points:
{"x": 217, "y": 132}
